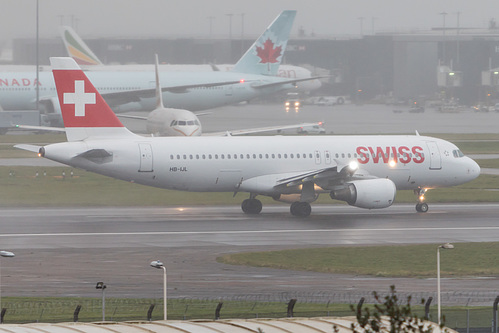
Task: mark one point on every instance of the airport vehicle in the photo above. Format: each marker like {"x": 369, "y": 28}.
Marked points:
{"x": 292, "y": 102}
{"x": 311, "y": 129}
{"x": 328, "y": 100}
{"x": 83, "y": 55}
{"x": 364, "y": 171}
{"x": 252, "y": 76}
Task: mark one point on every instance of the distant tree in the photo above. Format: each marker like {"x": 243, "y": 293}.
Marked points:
{"x": 388, "y": 309}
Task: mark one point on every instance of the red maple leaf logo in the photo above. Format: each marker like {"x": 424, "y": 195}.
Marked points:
{"x": 268, "y": 53}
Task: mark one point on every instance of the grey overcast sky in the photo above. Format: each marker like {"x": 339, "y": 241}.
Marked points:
{"x": 189, "y": 18}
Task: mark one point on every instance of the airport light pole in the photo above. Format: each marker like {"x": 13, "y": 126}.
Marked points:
{"x": 102, "y": 286}
{"x": 158, "y": 264}
{"x": 5, "y": 254}
{"x": 443, "y": 246}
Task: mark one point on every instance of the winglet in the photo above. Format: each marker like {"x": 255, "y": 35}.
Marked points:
{"x": 265, "y": 55}
{"x": 77, "y": 49}
{"x": 84, "y": 111}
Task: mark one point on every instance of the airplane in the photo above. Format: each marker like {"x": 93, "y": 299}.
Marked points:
{"x": 86, "y": 58}
{"x": 252, "y": 76}
{"x": 179, "y": 122}
{"x": 364, "y": 171}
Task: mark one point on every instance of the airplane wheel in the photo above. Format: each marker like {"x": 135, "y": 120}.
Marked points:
{"x": 251, "y": 206}
{"x": 422, "y": 207}
{"x": 300, "y": 209}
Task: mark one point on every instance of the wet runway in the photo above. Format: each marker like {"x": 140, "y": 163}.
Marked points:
{"x": 62, "y": 252}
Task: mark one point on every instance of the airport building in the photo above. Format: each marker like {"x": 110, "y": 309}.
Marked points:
{"x": 447, "y": 64}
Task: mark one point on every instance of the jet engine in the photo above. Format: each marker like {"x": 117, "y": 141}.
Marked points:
{"x": 369, "y": 193}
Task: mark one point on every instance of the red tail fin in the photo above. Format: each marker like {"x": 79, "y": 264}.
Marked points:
{"x": 84, "y": 111}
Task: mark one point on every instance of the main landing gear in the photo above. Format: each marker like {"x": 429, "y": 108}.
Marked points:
{"x": 300, "y": 209}
{"x": 251, "y": 206}
{"x": 421, "y": 206}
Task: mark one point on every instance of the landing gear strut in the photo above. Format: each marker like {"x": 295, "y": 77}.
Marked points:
{"x": 421, "y": 206}
{"x": 300, "y": 209}
{"x": 251, "y": 206}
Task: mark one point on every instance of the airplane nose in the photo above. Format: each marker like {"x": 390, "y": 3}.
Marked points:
{"x": 473, "y": 169}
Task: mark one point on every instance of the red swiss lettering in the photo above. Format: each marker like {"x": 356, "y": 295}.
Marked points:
{"x": 418, "y": 154}
{"x": 363, "y": 157}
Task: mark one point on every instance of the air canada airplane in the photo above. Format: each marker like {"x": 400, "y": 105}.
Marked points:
{"x": 179, "y": 122}
{"x": 86, "y": 58}
{"x": 252, "y": 76}
{"x": 364, "y": 171}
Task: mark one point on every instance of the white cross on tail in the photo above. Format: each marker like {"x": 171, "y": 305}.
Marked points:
{"x": 79, "y": 98}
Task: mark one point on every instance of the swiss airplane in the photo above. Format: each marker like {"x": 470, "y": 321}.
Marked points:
{"x": 252, "y": 76}
{"x": 86, "y": 58}
{"x": 364, "y": 171}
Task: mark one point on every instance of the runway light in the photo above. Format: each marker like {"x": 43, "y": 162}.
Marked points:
{"x": 181, "y": 209}
{"x": 241, "y": 81}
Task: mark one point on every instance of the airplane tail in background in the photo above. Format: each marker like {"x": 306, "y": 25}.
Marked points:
{"x": 84, "y": 111}
{"x": 77, "y": 49}
{"x": 265, "y": 55}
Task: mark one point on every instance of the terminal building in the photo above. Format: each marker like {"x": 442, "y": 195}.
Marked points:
{"x": 448, "y": 64}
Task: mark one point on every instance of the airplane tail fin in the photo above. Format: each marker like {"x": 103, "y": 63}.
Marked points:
{"x": 77, "y": 49}
{"x": 265, "y": 55}
{"x": 84, "y": 111}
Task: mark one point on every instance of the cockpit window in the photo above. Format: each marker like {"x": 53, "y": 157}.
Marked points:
{"x": 190, "y": 122}
{"x": 181, "y": 122}
{"x": 173, "y": 123}
{"x": 457, "y": 153}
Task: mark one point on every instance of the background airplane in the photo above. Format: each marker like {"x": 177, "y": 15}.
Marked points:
{"x": 364, "y": 171}
{"x": 252, "y": 76}
{"x": 178, "y": 122}
{"x": 86, "y": 58}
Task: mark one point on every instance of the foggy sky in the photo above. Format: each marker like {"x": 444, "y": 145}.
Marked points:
{"x": 189, "y": 18}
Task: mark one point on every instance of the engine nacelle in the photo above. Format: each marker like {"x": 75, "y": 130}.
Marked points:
{"x": 369, "y": 193}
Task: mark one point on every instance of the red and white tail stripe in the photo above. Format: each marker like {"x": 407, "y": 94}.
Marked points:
{"x": 84, "y": 111}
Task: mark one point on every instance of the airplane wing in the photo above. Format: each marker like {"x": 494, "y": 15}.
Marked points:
{"x": 135, "y": 95}
{"x": 131, "y": 117}
{"x": 260, "y": 129}
{"x": 41, "y": 128}
{"x": 280, "y": 83}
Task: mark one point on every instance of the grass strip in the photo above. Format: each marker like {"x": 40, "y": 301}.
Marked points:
{"x": 415, "y": 261}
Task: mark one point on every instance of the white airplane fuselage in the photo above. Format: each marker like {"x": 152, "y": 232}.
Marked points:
{"x": 18, "y": 90}
{"x": 254, "y": 164}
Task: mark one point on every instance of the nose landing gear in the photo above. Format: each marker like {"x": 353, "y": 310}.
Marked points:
{"x": 421, "y": 206}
